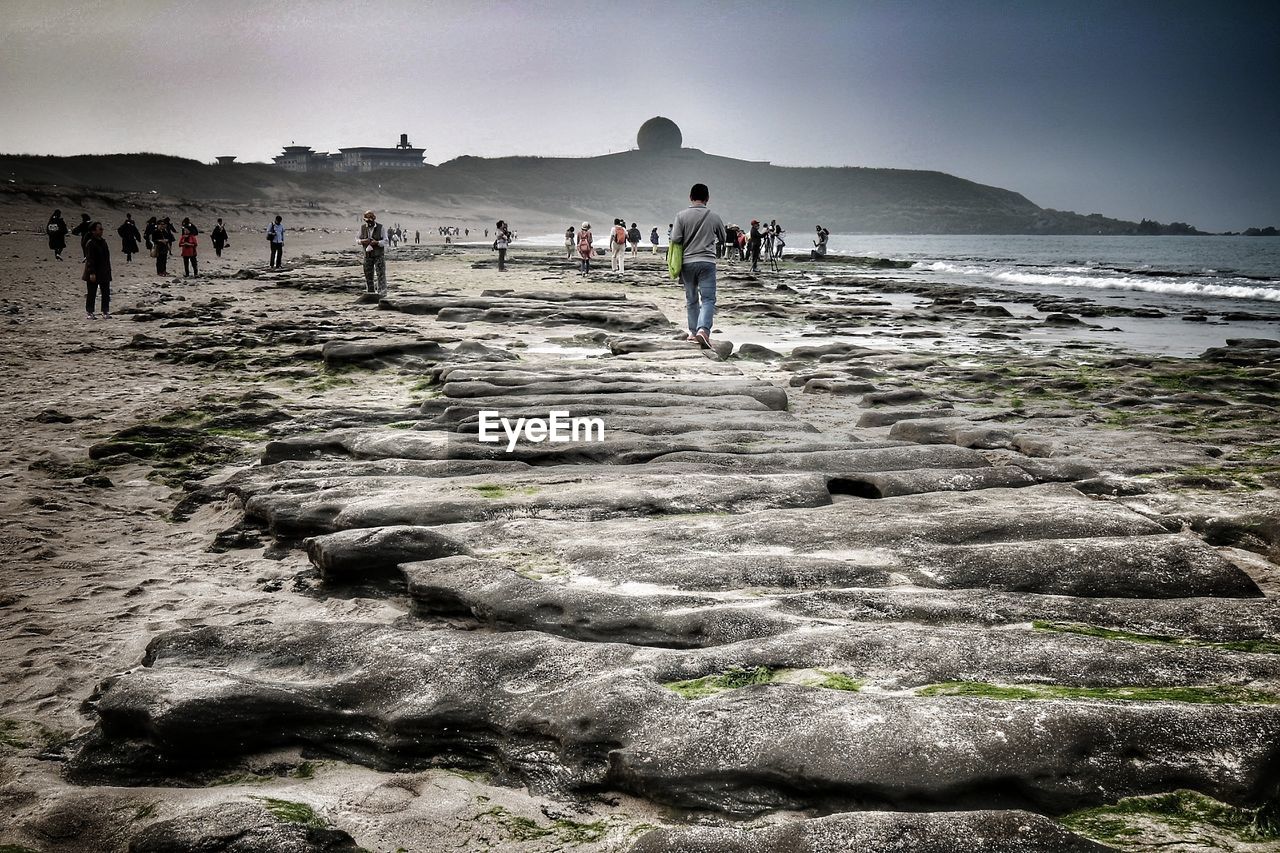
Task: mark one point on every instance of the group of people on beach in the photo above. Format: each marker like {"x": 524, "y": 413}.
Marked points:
{"x": 621, "y": 240}
{"x": 158, "y": 235}
{"x": 699, "y": 234}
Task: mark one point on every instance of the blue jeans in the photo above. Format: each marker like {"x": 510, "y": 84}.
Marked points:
{"x": 699, "y": 279}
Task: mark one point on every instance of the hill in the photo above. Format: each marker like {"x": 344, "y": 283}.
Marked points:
{"x": 643, "y": 186}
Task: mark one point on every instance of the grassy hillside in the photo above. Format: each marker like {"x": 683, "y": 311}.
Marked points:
{"x": 552, "y": 192}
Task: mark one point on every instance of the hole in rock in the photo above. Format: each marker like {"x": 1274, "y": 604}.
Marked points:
{"x": 850, "y": 487}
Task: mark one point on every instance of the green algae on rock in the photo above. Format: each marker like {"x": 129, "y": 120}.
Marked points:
{"x": 1200, "y": 695}
{"x": 1253, "y": 646}
{"x": 1128, "y": 823}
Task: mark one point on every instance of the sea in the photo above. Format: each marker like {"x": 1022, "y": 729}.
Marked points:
{"x": 1229, "y": 285}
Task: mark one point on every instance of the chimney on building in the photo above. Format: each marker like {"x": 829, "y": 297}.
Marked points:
{"x": 404, "y": 141}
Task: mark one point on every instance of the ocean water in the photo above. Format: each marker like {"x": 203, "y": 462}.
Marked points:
{"x": 1188, "y": 270}
{"x": 1180, "y": 272}
{"x": 1231, "y": 285}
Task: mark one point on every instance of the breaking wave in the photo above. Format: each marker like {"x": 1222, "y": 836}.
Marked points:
{"x": 1072, "y": 278}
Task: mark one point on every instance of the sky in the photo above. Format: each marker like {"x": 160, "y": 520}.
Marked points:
{"x": 1165, "y": 109}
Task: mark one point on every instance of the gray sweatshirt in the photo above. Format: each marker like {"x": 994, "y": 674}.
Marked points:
{"x": 696, "y": 228}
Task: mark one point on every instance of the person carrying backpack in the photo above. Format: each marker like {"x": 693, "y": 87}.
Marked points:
{"x": 57, "y": 230}
{"x": 218, "y": 236}
{"x": 633, "y": 239}
{"x": 618, "y": 242}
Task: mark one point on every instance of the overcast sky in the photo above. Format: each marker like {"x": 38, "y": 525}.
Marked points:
{"x": 1162, "y": 109}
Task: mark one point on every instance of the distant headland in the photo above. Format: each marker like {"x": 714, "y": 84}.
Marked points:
{"x": 649, "y": 182}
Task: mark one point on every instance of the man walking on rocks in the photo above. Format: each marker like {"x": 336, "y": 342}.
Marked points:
{"x": 373, "y": 241}
{"x": 697, "y": 230}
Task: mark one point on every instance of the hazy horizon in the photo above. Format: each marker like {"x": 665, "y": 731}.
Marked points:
{"x": 1164, "y": 111}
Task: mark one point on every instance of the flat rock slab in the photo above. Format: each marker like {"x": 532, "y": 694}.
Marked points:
{"x": 1054, "y": 541}
{"x": 618, "y": 448}
{"x": 339, "y": 353}
{"x": 882, "y": 832}
{"x": 771, "y": 396}
{"x": 514, "y": 596}
{"x": 855, "y": 458}
{"x": 239, "y": 827}
{"x": 339, "y": 504}
{"x": 613, "y": 314}
{"x": 570, "y": 716}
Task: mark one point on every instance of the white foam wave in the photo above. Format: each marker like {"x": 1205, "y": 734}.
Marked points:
{"x": 1145, "y": 285}
{"x": 1066, "y": 277}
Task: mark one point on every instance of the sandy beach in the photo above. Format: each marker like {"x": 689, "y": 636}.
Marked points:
{"x": 894, "y": 569}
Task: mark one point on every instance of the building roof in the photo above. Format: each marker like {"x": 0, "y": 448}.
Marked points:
{"x": 397, "y": 152}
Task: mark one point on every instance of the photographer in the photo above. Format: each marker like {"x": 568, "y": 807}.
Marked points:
{"x": 373, "y": 241}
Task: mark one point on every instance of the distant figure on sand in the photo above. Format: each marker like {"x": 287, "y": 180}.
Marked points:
{"x": 129, "y": 237}
{"x": 617, "y": 241}
{"x": 653, "y": 240}
{"x": 161, "y": 243}
{"x": 754, "y": 243}
{"x": 633, "y": 239}
{"x": 275, "y": 236}
{"x": 585, "y": 248}
{"x": 97, "y": 272}
{"x": 58, "y": 230}
{"x": 416, "y": 239}
{"x": 82, "y": 231}
{"x": 373, "y": 240}
{"x": 570, "y": 243}
{"x": 820, "y": 245}
{"x": 697, "y": 229}
{"x": 149, "y": 232}
{"x": 187, "y": 246}
{"x": 502, "y": 241}
{"x": 218, "y": 237}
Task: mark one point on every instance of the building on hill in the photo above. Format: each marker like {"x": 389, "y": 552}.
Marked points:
{"x": 226, "y": 160}
{"x": 300, "y": 158}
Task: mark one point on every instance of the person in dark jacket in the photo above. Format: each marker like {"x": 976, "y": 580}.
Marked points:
{"x": 129, "y": 237}
{"x": 218, "y": 236}
{"x": 149, "y": 232}
{"x": 753, "y": 245}
{"x": 97, "y": 272}
{"x": 82, "y": 231}
{"x": 161, "y": 243}
{"x": 58, "y": 231}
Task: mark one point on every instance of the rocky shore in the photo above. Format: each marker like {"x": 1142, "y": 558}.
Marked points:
{"x": 886, "y": 570}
